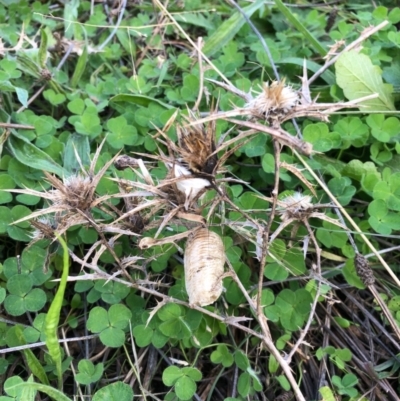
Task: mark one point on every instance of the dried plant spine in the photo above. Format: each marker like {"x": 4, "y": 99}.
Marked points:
{"x": 204, "y": 266}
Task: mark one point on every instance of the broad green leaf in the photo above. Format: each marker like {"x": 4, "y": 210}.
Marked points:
{"x": 80, "y": 68}
{"x": 76, "y": 106}
{"x": 351, "y": 276}
{"x": 140, "y": 100}
{"x": 54, "y": 98}
{"x": 283, "y": 381}
{"x": 77, "y": 147}
{"x": 358, "y": 77}
{"x": 384, "y": 130}
{"x": 116, "y": 391}
{"x": 119, "y": 316}
{"x": 28, "y": 154}
{"x": 228, "y": 29}
{"x": 197, "y": 19}
{"x": 193, "y": 373}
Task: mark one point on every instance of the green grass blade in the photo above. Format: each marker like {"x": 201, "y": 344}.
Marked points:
{"x": 33, "y": 363}
{"x": 80, "y": 67}
{"x": 300, "y": 27}
{"x": 53, "y": 315}
{"x": 50, "y": 391}
{"x": 226, "y": 32}
{"x": 42, "y": 55}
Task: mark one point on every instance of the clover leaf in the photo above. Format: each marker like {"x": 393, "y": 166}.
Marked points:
{"x": 110, "y": 324}
{"x": 121, "y": 133}
{"x": 22, "y": 297}
{"x": 183, "y": 379}
{"x": 88, "y": 372}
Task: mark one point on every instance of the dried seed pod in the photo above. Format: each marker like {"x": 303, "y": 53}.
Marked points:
{"x": 363, "y": 270}
{"x": 204, "y": 267}
{"x": 124, "y": 161}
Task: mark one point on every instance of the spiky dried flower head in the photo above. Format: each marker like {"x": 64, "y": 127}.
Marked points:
{"x": 363, "y": 270}
{"x": 197, "y": 146}
{"x": 274, "y": 100}
{"x": 295, "y": 206}
{"x": 73, "y": 192}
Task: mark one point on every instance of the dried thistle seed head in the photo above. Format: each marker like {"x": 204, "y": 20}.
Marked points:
{"x": 196, "y": 145}
{"x": 204, "y": 266}
{"x": 274, "y": 99}
{"x": 363, "y": 270}
{"x": 295, "y": 206}
{"x": 74, "y": 192}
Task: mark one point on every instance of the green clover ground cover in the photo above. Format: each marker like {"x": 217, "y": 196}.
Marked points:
{"x": 70, "y": 84}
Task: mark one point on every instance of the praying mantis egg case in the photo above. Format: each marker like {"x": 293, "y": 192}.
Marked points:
{"x": 204, "y": 266}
